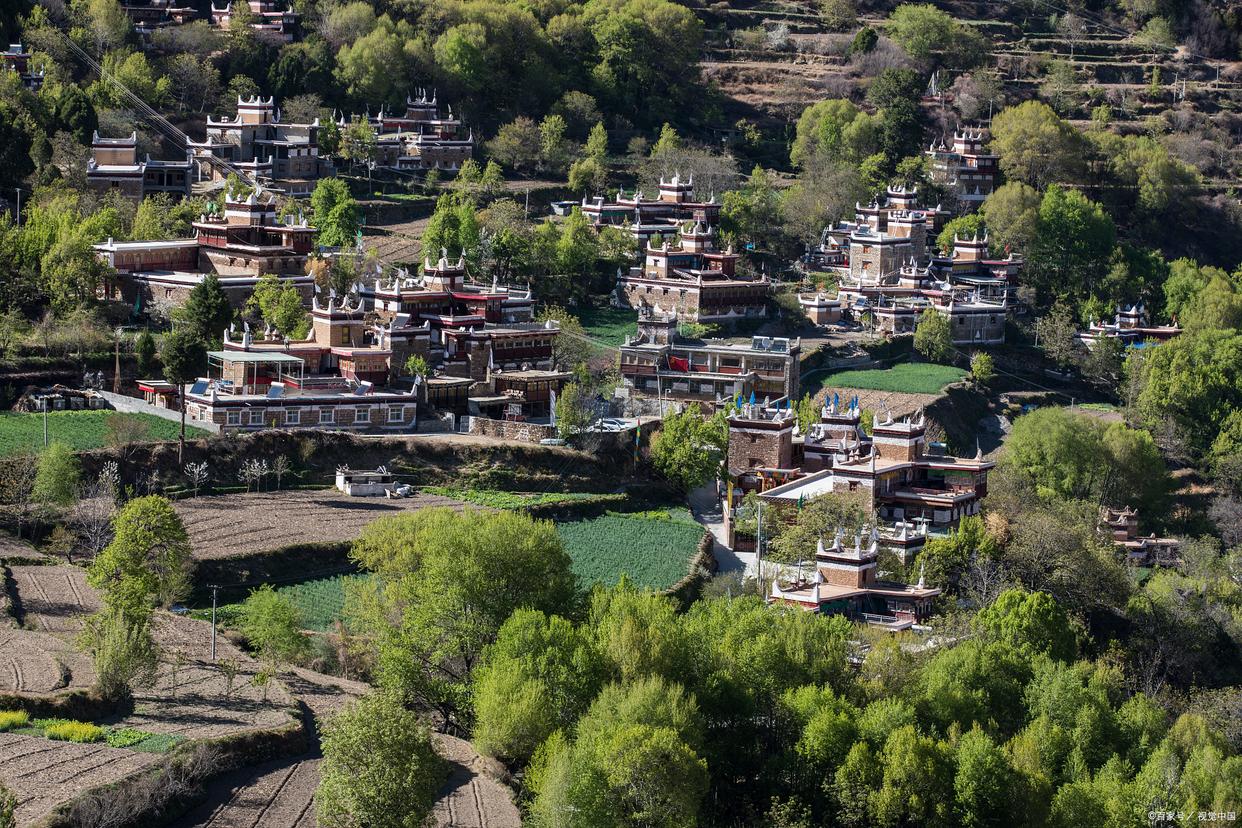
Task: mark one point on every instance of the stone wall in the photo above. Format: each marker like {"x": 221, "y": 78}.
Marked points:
{"x": 509, "y": 430}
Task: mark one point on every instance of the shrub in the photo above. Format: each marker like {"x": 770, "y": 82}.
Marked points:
{"x": 12, "y": 719}
{"x": 70, "y": 731}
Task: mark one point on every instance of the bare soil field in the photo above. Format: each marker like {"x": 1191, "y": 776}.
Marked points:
{"x": 43, "y": 773}
{"x": 49, "y": 602}
{"x": 224, "y": 526}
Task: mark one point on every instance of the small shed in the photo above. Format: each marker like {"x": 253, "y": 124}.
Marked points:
{"x": 359, "y": 483}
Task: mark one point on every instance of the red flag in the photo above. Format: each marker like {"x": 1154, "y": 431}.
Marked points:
{"x": 679, "y": 363}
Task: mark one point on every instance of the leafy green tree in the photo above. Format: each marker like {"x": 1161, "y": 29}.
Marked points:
{"x": 1190, "y": 383}
{"x": 688, "y": 448}
{"x": 933, "y": 337}
{"x": 982, "y": 368}
{"x": 56, "y": 482}
{"x": 447, "y": 582}
{"x": 279, "y": 304}
{"x": 207, "y": 311}
{"x": 854, "y": 786}
{"x": 636, "y": 632}
{"x": 926, "y": 32}
{"x": 273, "y": 626}
{"x": 1035, "y": 145}
{"x": 1032, "y": 621}
{"x": 984, "y": 784}
{"x": 943, "y": 561}
{"x": 539, "y": 676}
{"x": 973, "y": 682}
{"x": 374, "y": 67}
{"x": 147, "y": 560}
{"x": 588, "y": 175}
{"x": 8, "y": 808}
{"x": 833, "y": 128}
{"x": 1057, "y": 334}
{"x": 336, "y": 213}
{"x": 184, "y": 357}
{"x": 124, "y": 652}
{"x": 518, "y": 145}
{"x": 838, "y": 15}
{"x": 967, "y": 226}
{"x": 379, "y": 767}
{"x": 573, "y": 410}
{"x": 917, "y": 786}
{"x": 144, "y": 351}
{"x": 807, "y": 412}
{"x": 794, "y": 537}
{"x": 597, "y": 143}
{"x": 753, "y": 213}
{"x": 1075, "y": 456}
{"x": 632, "y": 764}
{"x": 1012, "y": 216}
{"x": 1072, "y": 247}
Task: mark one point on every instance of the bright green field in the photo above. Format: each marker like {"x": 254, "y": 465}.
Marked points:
{"x": 609, "y": 325}
{"x": 321, "y": 602}
{"x": 80, "y": 430}
{"x": 506, "y": 500}
{"x": 907, "y": 378}
{"x": 651, "y": 548}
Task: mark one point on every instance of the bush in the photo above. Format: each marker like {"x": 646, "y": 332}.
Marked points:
{"x": 69, "y": 731}
{"x": 13, "y": 719}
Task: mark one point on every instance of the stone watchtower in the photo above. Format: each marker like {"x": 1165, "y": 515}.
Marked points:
{"x": 656, "y": 328}
{"x": 902, "y": 440}
{"x": 759, "y": 440}
{"x": 843, "y": 566}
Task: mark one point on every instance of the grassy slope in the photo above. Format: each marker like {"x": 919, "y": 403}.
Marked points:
{"x": 80, "y": 430}
{"x": 609, "y": 325}
{"x": 906, "y": 378}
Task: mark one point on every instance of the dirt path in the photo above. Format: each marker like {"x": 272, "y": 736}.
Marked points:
{"x": 226, "y": 525}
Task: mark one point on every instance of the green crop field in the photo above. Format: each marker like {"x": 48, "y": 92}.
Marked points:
{"x": 321, "y": 602}
{"x": 80, "y": 430}
{"x": 651, "y": 548}
{"x": 906, "y": 378}
{"x": 497, "y": 499}
{"x": 609, "y": 325}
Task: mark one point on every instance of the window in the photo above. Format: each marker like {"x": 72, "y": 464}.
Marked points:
{"x": 256, "y": 418}
{"x": 233, "y": 418}
{"x": 293, "y": 417}
{"x": 362, "y": 415}
{"x": 395, "y": 414}
{"x": 325, "y": 415}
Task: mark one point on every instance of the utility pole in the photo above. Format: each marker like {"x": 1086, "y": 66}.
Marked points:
{"x": 45, "y": 404}
{"x": 214, "y": 588}
{"x": 116, "y": 372}
{"x": 18, "y": 190}
{"x": 759, "y": 548}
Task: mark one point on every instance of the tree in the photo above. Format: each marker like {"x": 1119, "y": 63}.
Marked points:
{"x": 56, "y": 482}
{"x": 1190, "y": 383}
{"x": 144, "y": 351}
{"x": 1030, "y": 621}
{"x": 1057, "y": 335}
{"x": 518, "y": 145}
{"x": 833, "y": 128}
{"x": 1074, "y": 242}
{"x": 184, "y": 357}
{"x": 336, "y": 213}
{"x": 985, "y": 782}
{"x": 1035, "y": 145}
{"x": 1012, "y": 216}
{"x": 146, "y": 561}
{"x": 838, "y": 15}
{"x": 379, "y": 768}
{"x": 688, "y": 448}
{"x": 279, "y": 304}
{"x": 539, "y": 676}
{"x": 933, "y": 337}
{"x": 207, "y": 311}
{"x": 982, "y": 369}
{"x": 373, "y": 68}
{"x": 1075, "y": 456}
{"x": 574, "y": 413}
{"x": 917, "y": 785}
{"x": 820, "y": 518}
{"x": 588, "y": 175}
{"x": 452, "y": 580}
{"x": 125, "y": 654}
{"x": 198, "y": 474}
{"x": 273, "y": 626}
{"x": 926, "y": 32}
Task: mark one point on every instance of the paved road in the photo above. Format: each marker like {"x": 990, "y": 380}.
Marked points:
{"x": 705, "y": 506}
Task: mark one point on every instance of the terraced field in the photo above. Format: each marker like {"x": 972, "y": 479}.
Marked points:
{"x": 43, "y": 773}
{"x": 49, "y": 601}
{"x": 238, "y": 524}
